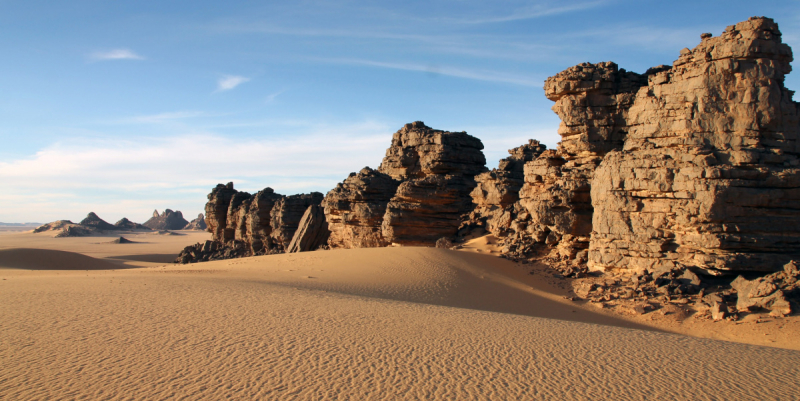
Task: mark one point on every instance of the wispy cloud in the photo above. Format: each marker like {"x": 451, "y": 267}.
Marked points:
{"x": 229, "y": 82}
{"x": 433, "y": 70}
{"x": 160, "y": 117}
{"x": 530, "y": 12}
{"x": 115, "y": 54}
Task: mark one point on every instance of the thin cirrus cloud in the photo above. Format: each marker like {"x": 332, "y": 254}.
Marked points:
{"x": 229, "y": 82}
{"x": 479, "y": 75}
{"x": 115, "y": 54}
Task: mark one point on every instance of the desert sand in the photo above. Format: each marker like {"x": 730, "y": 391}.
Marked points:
{"x": 84, "y": 318}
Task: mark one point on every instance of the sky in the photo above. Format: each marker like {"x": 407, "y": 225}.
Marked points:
{"x": 125, "y": 107}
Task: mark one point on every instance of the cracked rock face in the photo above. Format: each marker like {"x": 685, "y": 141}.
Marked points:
{"x": 415, "y": 197}
{"x": 355, "y": 208}
{"x": 255, "y": 224}
{"x": 708, "y": 176}
{"x": 690, "y": 165}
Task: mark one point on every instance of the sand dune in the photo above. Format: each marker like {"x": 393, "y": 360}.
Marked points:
{"x": 392, "y": 323}
{"x": 47, "y": 259}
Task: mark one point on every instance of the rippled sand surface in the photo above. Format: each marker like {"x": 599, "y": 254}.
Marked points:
{"x": 391, "y": 323}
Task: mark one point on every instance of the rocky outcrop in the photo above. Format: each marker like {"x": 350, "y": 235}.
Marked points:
{"x": 168, "y": 220}
{"x": 127, "y": 225}
{"x": 197, "y": 224}
{"x": 708, "y": 176}
{"x": 94, "y": 222}
{"x": 64, "y": 228}
{"x": 91, "y": 225}
{"x": 354, "y": 209}
{"x": 437, "y": 170}
{"x": 217, "y": 209}
{"x": 548, "y": 210}
{"x": 496, "y": 195}
{"x": 426, "y": 209}
{"x": 312, "y": 231}
{"x": 693, "y": 165}
{"x": 415, "y": 197}
{"x": 244, "y": 224}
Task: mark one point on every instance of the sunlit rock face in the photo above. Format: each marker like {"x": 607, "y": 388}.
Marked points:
{"x": 415, "y": 197}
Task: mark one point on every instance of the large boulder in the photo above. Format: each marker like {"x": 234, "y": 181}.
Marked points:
{"x": 312, "y": 231}
{"x": 437, "y": 170}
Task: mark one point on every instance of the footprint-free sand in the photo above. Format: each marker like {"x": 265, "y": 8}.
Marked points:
{"x": 86, "y": 319}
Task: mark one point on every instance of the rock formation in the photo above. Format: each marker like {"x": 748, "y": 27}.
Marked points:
{"x": 354, "y": 209}
{"x": 168, "y": 220}
{"x": 91, "y": 225}
{"x": 496, "y": 195}
{"x": 64, "y": 228}
{"x": 415, "y": 197}
{"x": 243, "y": 224}
{"x": 691, "y": 165}
{"x": 197, "y": 224}
{"x": 94, "y": 222}
{"x": 437, "y": 170}
{"x": 125, "y": 224}
{"x": 312, "y": 231}
{"x": 708, "y": 177}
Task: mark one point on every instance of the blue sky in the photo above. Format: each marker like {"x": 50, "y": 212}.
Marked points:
{"x": 125, "y": 107}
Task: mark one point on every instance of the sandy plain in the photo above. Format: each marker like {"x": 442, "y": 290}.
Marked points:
{"x": 83, "y": 318}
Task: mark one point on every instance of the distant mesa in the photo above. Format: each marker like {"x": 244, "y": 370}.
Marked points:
{"x": 168, "y": 220}
{"x": 128, "y": 225}
{"x": 197, "y": 224}
{"x": 94, "y": 225}
{"x": 94, "y": 221}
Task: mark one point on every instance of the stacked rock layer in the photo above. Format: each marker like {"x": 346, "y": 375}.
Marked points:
{"x": 690, "y": 165}
{"x": 415, "y": 197}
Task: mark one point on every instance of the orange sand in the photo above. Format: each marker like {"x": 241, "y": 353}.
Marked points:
{"x": 390, "y": 323}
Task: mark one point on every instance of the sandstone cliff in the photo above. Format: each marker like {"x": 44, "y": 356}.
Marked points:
{"x": 708, "y": 177}
{"x": 690, "y": 165}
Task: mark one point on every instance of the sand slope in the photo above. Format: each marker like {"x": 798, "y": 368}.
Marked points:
{"x": 393, "y": 323}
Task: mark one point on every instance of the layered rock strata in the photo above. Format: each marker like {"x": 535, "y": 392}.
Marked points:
{"x": 708, "y": 177}
{"x": 354, "y": 210}
{"x": 415, "y": 197}
{"x": 437, "y": 170}
{"x": 691, "y": 165}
